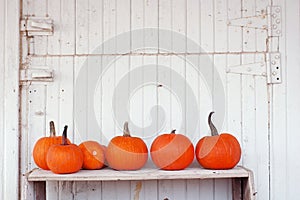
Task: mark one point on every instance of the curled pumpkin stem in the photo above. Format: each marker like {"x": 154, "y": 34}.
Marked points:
{"x": 64, "y": 136}
{"x": 212, "y": 127}
{"x": 52, "y": 129}
{"x": 173, "y": 131}
{"x": 126, "y": 131}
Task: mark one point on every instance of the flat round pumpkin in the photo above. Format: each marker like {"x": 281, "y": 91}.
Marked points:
{"x": 126, "y": 152}
{"x": 172, "y": 151}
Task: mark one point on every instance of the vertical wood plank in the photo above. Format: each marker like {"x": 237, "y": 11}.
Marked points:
{"x": 107, "y": 187}
{"x": 11, "y": 138}
{"x": 52, "y": 190}
{"x": 249, "y": 37}
{"x": 262, "y": 134}
{"x": 279, "y": 114}
{"x": 220, "y": 26}
{"x": 83, "y": 27}
{"x": 150, "y": 190}
{"x": 223, "y": 189}
{"x": 151, "y": 20}
{"x": 109, "y": 25}
{"x": 193, "y": 31}
{"x": 165, "y": 97}
{"x": 178, "y": 23}
{"x": 137, "y": 22}
{"x": 234, "y": 100}
{"x": 165, "y": 22}
{"x": 207, "y": 25}
{"x": 165, "y": 189}
{"x": 38, "y": 9}
{"x": 234, "y": 33}
{"x": 206, "y": 189}
{"x": 292, "y": 77}
{"x": 192, "y": 189}
{"x": 222, "y": 186}
{"x": 67, "y": 39}
{"x": 123, "y": 23}
{"x": 95, "y": 36}
{"x": 65, "y": 93}
{"x": 261, "y": 34}
{"x": 54, "y": 42}
{"x": 65, "y": 190}
{"x": 2, "y": 85}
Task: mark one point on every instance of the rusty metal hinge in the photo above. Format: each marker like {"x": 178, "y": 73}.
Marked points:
{"x": 31, "y": 26}
{"x": 271, "y": 21}
{"x": 270, "y": 68}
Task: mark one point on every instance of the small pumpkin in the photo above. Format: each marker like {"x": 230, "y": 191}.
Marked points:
{"x": 172, "y": 151}
{"x": 41, "y": 147}
{"x": 64, "y": 158}
{"x": 126, "y": 152}
{"x": 93, "y": 155}
{"x": 218, "y": 151}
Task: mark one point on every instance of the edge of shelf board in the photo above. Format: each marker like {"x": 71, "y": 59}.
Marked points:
{"x": 108, "y": 174}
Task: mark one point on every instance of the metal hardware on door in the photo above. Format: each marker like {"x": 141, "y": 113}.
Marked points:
{"x": 270, "y": 21}
{"x": 271, "y": 68}
{"x": 31, "y": 26}
{"x": 38, "y": 75}
{"x": 274, "y": 67}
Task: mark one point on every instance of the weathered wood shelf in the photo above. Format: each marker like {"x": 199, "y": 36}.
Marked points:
{"x": 242, "y": 178}
{"x": 108, "y": 174}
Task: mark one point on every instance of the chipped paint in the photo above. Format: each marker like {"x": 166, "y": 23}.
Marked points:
{"x": 137, "y": 190}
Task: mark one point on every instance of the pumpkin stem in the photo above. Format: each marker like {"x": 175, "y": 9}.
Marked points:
{"x": 212, "y": 127}
{"x": 173, "y": 131}
{"x": 52, "y": 129}
{"x": 64, "y": 136}
{"x": 126, "y": 131}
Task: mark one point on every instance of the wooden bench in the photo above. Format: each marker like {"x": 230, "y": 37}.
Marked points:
{"x": 242, "y": 178}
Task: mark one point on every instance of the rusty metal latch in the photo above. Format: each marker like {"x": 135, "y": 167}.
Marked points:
{"x": 39, "y": 75}
{"x": 31, "y": 26}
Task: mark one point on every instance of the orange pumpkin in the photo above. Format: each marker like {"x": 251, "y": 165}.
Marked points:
{"x": 41, "y": 147}
{"x": 126, "y": 152}
{"x": 218, "y": 151}
{"x": 93, "y": 155}
{"x": 64, "y": 158}
{"x": 172, "y": 151}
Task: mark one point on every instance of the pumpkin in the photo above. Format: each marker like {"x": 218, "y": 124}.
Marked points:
{"x": 172, "y": 151}
{"x": 93, "y": 155}
{"x": 126, "y": 152}
{"x": 41, "y": 147}
{"x": 64, "y": 158}
{"x": 219, "y": 151}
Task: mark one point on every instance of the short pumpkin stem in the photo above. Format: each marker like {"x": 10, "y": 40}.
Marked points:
{"x": 212, "y": 127}
{"x": 52, "y": 129}
{"x": 126, "y": 131}
{"x": 64, "y": 136}
{"x": 173, "y": 131}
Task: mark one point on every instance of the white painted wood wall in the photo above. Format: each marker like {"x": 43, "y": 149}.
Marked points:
{"x": 263, "y": 117}
{"x": 9, "y": 99}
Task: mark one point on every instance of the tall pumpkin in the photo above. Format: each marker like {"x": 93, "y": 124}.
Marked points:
{"x": 126, "y": 152}
{"x": 172, "y": 151}
{"x": 41, "y": 147}
{"x": 64, "y": 158}
{"x": 218, "y": 151}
